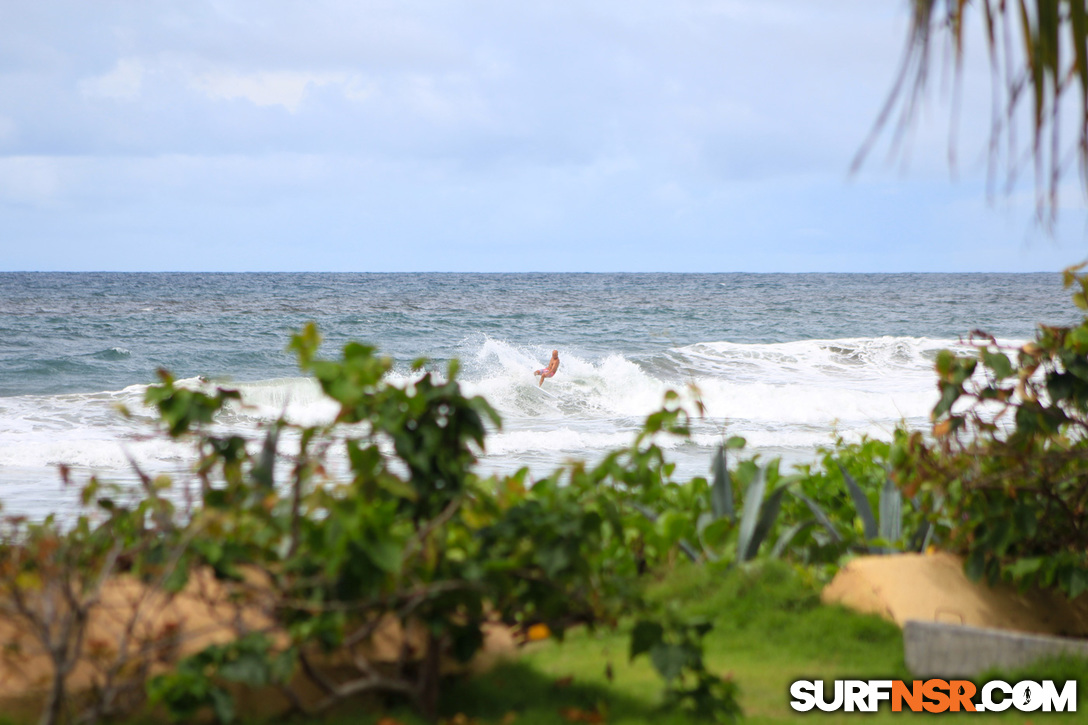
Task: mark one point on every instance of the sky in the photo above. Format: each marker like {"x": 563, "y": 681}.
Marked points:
{"x": 491, "y": 136}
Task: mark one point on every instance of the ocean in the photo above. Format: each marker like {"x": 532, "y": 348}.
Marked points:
{"x": 785, "y": 360}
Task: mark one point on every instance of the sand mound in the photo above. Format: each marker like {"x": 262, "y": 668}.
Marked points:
{"x": 154, "y": 630}
{"x": 933, "y": 588}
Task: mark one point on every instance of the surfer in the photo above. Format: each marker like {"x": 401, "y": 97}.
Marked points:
{"x": 549, "y": 371}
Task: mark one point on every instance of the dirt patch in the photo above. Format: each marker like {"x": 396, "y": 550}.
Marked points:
{"x": 934, "y": 588}
{"x": 155, "y": 630}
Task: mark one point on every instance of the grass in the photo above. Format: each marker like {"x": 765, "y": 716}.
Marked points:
{"x": 770, "y": 629}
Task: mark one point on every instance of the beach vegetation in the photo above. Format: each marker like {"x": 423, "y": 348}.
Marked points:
{"x": 306, "y": 561}
{"x": 846, "y": 503}
{"x": 1000, "y": 478}
{"x": 725, "y": 532}
{"x": 1006, "y": 455}
{"x": 306, "y": 546}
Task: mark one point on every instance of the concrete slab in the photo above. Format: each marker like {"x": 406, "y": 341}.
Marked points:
{"x": 937, "y": 649}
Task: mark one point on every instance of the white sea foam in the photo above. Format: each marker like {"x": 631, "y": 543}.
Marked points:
{"x": 299, "y": 400}
{"x": 785, "y": 398}
{"x": 804, "y": 383}
{"x": 93, "y": 453}
{"x": 857, "y": 363}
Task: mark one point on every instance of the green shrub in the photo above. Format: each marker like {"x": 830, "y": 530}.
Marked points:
{"x": 844, "y": 504}
{"x": 410, "y": 534}
{"x": 1008, "y": 455}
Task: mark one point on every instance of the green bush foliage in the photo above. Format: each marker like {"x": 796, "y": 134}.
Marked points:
{"x": 845, "y": 503}
{"x": 1008, "y": 454}
{"x": 416, "y": 534}
{"x": 332, "y": 531}
{"x": 408, "y": 533}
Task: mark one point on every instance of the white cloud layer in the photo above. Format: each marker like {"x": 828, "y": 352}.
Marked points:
{"x": 8, "y": 131}
{"x": 123, "y": 82}
{"x": 29, "y": 180}
{"x": 273, "y": 88}
{"x": 400, "y": 135}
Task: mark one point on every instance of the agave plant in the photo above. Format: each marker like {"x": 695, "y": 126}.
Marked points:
{"x": 882, "y": 532}
{"x": 722, "y": 527}
{"x": 808, "y": 531}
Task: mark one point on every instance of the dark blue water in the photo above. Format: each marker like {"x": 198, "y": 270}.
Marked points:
{"x": 78, "y": 332}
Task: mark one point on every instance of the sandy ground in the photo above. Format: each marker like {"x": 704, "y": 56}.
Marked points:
{"x": 155, "y": 630}
{"x": 933, "y": 588}
{"x": 930, "y": 587}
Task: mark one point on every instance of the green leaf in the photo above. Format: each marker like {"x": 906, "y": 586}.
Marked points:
{"x": 1024, "y": 567}
{"x": 1069, "y": 274}
{"x": 177, "y": 579}
{"x": 753, "y": 501}
{"x": 721, "y": 490}
{"x": 553, "y": 559}
{"x": 386, "y": 554}
{"x": 945, "y": 360}
{"x": 861, "y": 505}
{"x": 920, "y": 540}
{"x": 975, "y": 566}
{"x": 670, "y": 659}
{"x": 767, "y": 516}
{"x": 998, "y": 363}
{"x": 950, "y": 393}
{"x": 786, "y": 539}
{"x": 820, "y": 516}
{"x": 282, "y": 665}
{"x": 249, "y": 668}
{"x": 467, "y": 641}
{"x": 1077, "y": 339}
{"x": 671, "y": 525}
{"x": 1026, "y": 518}
{"x": 305, "y": 343}
{"x": 645, "y": 636}
{"x": 715, "y": 532}
{"x": 264, "y": 471}
{"x": 1078, "y": 583}
{"x": 999, "y": 535}
{"x": 891, "y": 511}
{"x": 222, "y": 705}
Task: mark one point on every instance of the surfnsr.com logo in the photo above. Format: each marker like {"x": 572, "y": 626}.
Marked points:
{"x": 934, "y": 696}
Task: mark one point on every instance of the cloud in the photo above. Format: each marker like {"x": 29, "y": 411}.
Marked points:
{"x": 29, "y": 180}
{"x": 8, "y": 131}
{"x": 475, "y": 84}
{"x": 334, "y": 121}
{"x": 122, "y": 83}
{"x": 271, "y": 88}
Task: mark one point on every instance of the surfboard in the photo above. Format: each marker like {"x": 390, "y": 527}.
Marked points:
{"x": 542, "y": 391}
